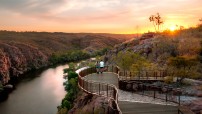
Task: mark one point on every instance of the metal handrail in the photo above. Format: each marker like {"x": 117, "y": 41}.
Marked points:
{"x": 143, "y": 75}
{"x": 84, "y": 82}
{"x": 157, "y": 74}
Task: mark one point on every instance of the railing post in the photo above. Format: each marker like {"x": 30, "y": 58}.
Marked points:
{"x": 86, "y": 85}
{"x": 166, "y": 94}
{"x": 114, "y": 96}
{"x": 107, "y": 90}
{"x": 99, "y": 89}
{"x": 130, "y": 75}
{"x": 179, "y": 98}
{"x": 139, "y": 74}
{"x": 82, "y": 83}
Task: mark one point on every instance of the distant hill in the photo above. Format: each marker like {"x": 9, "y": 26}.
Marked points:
{"x": 22, "y": 51}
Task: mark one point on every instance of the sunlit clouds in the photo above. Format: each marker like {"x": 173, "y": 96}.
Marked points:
{"x": 114, "y": 16}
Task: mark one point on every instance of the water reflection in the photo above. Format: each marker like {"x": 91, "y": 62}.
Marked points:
{"x": 40, "y": 95}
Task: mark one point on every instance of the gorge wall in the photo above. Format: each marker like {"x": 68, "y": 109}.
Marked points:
{"x": 23, "y": 51}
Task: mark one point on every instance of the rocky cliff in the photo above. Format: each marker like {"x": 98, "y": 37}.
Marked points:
{"x": 23, "y": 51}
{"x": 89, "y": 104}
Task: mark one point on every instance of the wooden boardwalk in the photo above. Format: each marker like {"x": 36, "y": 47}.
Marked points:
{"x": 132, "y": 107}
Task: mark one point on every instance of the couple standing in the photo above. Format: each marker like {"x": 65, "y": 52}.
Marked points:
{"x": 100, "y": 66}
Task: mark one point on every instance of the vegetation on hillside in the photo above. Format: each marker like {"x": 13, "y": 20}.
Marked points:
{"x": 72, "y": 89}
{"x": 133, "y": 62}
{"x": 68, "y": 56}
{"x": 74, "y": 55}
{"x": 178, "y": 52}
{"x": 183, "y": 67}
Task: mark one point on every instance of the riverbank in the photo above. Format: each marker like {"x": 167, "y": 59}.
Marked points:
{"x": 40, "y": 94}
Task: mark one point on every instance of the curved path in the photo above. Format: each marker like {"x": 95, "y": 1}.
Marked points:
{"x": 132, "y": 107}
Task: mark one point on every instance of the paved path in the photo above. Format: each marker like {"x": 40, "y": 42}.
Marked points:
{"x": 146, "y": 108}
{"x": 132, "y": 107}
{"x": 105, "y": 77}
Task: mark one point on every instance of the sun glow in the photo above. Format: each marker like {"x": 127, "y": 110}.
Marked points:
{"x": 172, "y": 28}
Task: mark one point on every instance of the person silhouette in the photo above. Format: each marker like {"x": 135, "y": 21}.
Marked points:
{"x": 97, "y": 65}
{"x": 102, "y": 65}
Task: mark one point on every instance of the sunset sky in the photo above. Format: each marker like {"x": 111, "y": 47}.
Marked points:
{"x": 98, "y": 16}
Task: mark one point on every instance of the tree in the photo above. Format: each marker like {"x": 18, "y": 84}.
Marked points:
{"x": 125, "y": 60}
{"x": 182, "y": 67}
{"x": 157, "y": 21}
{"x": 140, "y": 63}
{"x": 71, "y": 66}
{"x": 133, "y": 62}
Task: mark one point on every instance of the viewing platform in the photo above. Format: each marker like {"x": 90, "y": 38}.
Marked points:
{"x": 107, "y": 84}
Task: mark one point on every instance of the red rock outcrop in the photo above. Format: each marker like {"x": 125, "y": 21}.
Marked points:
{"x": 16, "y": 58}
{"x": 4, "y": 67}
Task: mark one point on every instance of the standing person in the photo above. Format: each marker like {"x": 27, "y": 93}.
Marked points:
{"x": 97, "y": 65}
{"x": 102, "y": 65}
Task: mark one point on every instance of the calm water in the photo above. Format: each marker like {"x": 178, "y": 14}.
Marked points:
{"x": 39, "y": 95}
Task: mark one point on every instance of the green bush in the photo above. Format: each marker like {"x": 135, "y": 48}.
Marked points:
{"x": 72, "y": 74}
{"x": 66, "y": 104}
{"x": 72, "y": 89}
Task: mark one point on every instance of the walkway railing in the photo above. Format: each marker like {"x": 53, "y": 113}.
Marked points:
{"x": 134, "y": 82}
{"x": 101, "y": 89}
{"x": 165, "y": 93}
{"x": 142, "y": 75}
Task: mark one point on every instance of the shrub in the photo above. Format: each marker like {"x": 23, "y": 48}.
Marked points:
{"x": 66, "y": 104}
{"x": 72, "y": 88}
{"x": 183, "y": 67}
{"x": 168, "y": 80}
{"x": 189, "y": 46}
{"x": 125, "y": 59}
{"x": 72, "y": 74}
{"x": 62, "y": 110}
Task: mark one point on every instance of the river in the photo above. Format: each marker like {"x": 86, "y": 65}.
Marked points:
{"x": 39, "y": 95}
